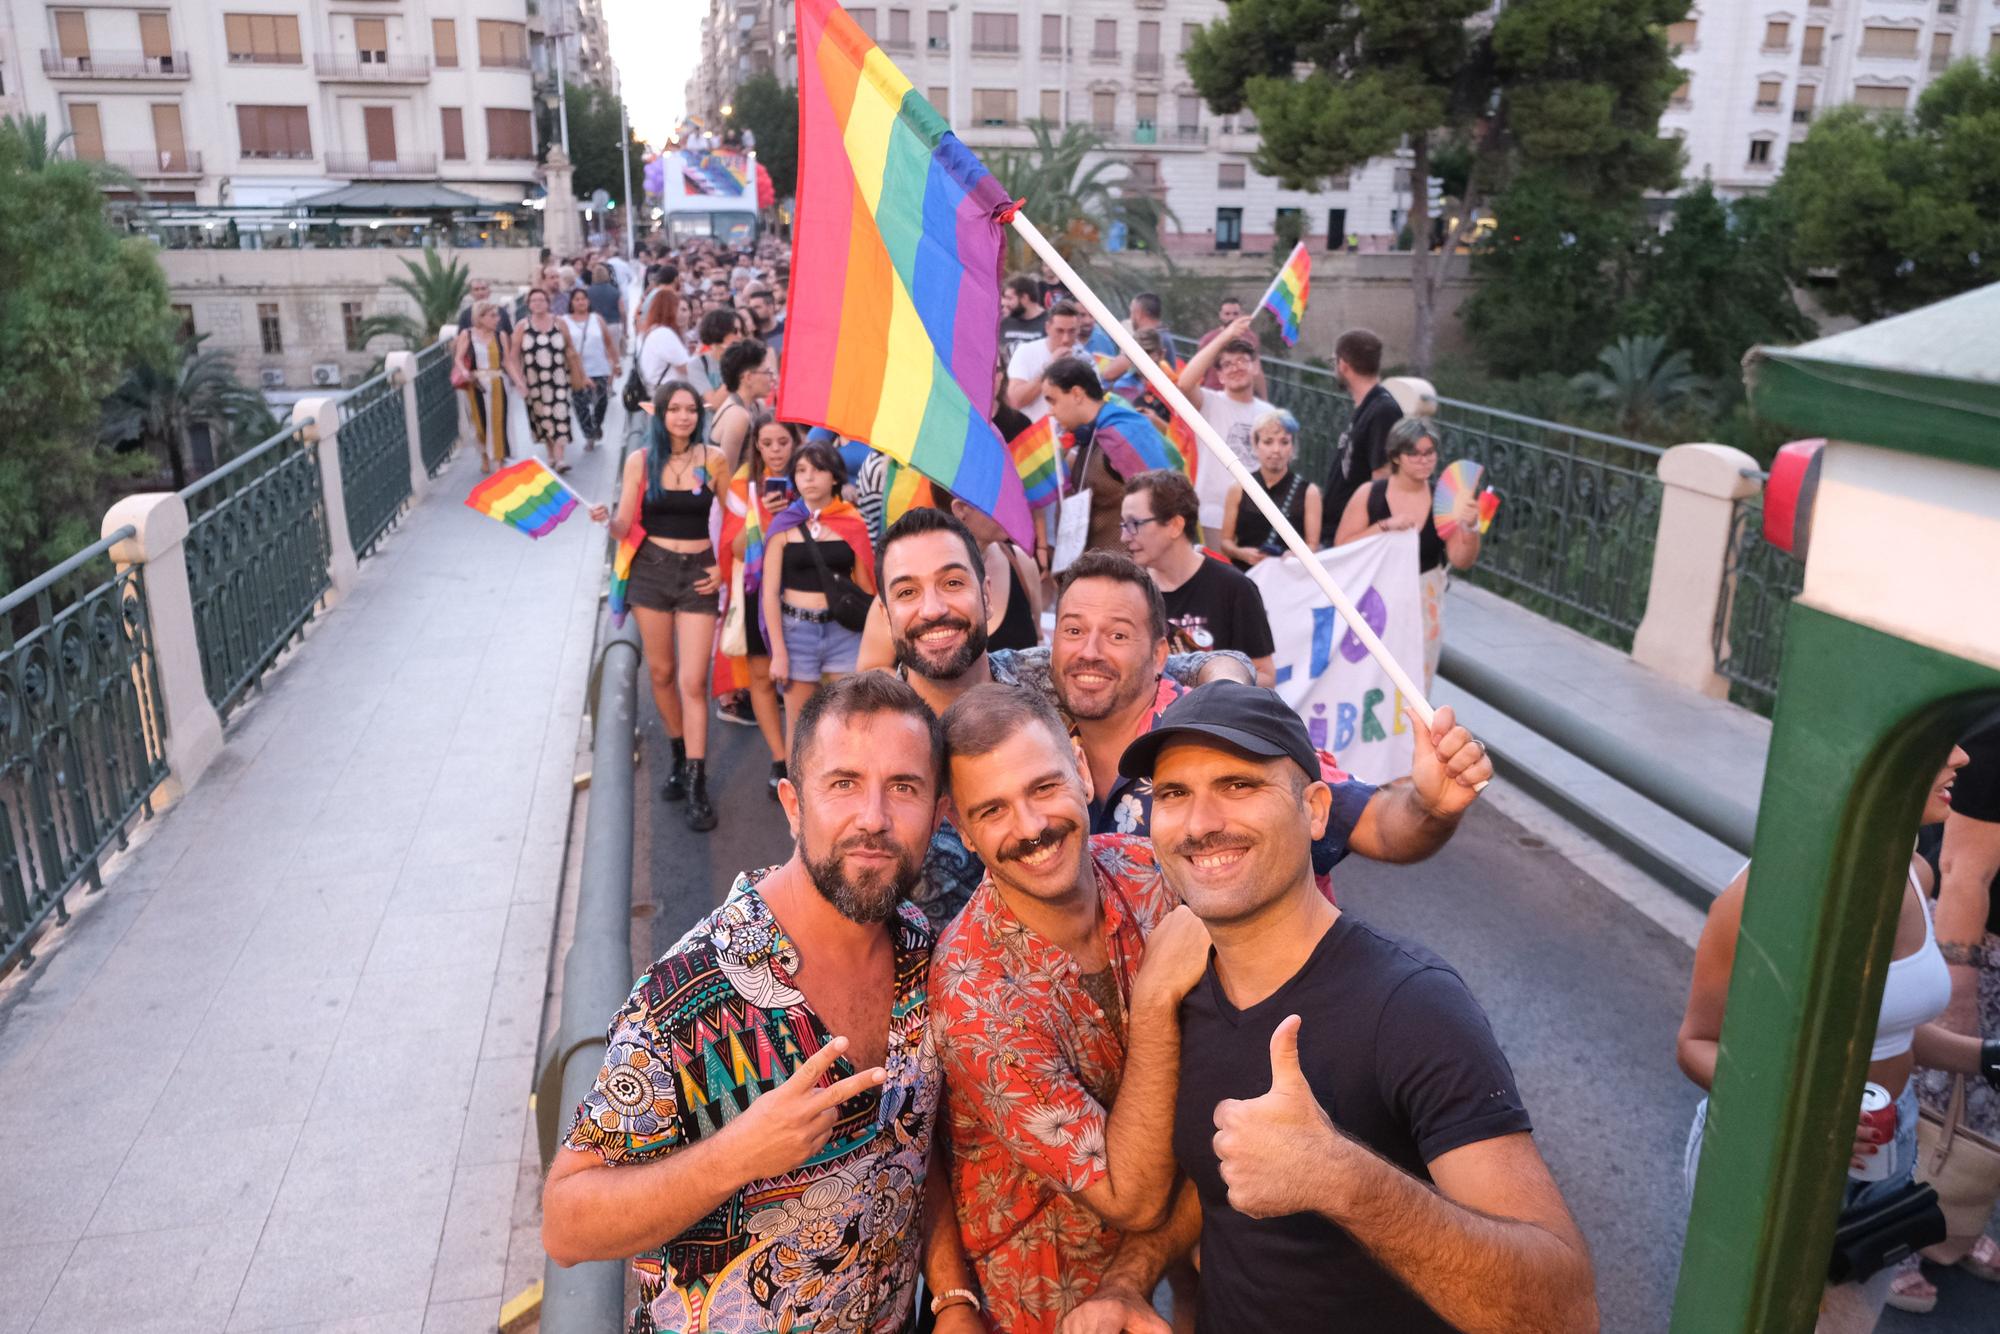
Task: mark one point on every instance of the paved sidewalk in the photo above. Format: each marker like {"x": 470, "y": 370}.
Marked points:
{"x": 277, "y": 1073}
{"x": 1708, "y": 740}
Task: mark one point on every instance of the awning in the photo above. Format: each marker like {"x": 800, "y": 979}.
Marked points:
{"x": 392, "y": 196}
{"x": 1925, "y": 382}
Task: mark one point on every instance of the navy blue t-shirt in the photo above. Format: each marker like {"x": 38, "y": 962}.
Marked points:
{"x": 1401, "y": 1057}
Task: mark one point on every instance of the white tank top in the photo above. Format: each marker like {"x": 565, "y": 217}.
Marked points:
{"x": 1918, "y": 989}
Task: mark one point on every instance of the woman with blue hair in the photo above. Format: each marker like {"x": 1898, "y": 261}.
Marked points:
{"x": 1247, "y": 537}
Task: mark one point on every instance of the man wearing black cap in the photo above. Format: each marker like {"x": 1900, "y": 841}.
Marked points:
{"x": 1378, "y": 1163}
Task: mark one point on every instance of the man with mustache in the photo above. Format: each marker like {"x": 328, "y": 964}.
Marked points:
{"x": 935, "y": 605}
{"x": 1054, "y": 998}
{"x": 759, "y": 1136}
{"x": 1376, "y": 1169}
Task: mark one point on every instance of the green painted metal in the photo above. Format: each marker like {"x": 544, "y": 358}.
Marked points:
{"x": 257, "y": 550}
{"x": 1863, "y": 722}
{"x": 1758, "y": 582}
{"x": 437, "y": 407}
{"x": 81, "y": 744}
{"x": 374, "y": 460}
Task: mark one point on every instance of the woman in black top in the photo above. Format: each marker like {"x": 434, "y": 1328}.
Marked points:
{"x": 1403, "y": 500}
{"x": 1246, "y": 535}
{"x": 668, "y": 489}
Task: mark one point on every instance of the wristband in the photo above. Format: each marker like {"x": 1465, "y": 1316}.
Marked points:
{"x": 1989, "y": 1062}
{"x": 957, "y": 1297}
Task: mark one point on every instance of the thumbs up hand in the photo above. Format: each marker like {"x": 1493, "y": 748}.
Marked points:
{"x": 1275, "y": 1150}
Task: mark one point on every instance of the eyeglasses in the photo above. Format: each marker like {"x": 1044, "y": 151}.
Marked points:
{"x": 1131, "y": 526}
{"x": 1421, "y": 453}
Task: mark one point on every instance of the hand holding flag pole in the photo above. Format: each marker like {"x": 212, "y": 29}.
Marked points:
{"x": 1252, "y": 492}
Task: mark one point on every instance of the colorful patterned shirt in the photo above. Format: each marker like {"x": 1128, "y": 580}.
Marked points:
{"x": 1034, "y": 1064}
{"x": 718, "y": 1020}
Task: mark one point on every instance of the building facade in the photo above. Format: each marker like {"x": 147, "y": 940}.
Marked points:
{"x": 1758, "y": 71}
{"x": 1113, "y": 65}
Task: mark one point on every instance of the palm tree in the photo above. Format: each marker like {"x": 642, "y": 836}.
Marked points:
{"x": 159, "y": 406}
{"x": 37, "y": 152}
{"x": 438, "y": 289}
{"x": 1075, "y": 194}
{"x": 1641, "y": 380}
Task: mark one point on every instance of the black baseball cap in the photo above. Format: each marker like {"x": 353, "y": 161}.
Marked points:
{"x": 1249, "y": 718}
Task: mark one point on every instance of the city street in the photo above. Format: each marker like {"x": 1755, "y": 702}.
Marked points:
{"x": 1584, "y": 992}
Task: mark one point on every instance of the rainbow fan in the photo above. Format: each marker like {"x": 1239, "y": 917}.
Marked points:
{"x": 1460, "y": 479}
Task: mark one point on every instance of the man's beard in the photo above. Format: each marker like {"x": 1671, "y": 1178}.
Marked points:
{"x": 873, "y": 897}
{"x": 910, "y": 656}
{"x": 1122, "y": 698}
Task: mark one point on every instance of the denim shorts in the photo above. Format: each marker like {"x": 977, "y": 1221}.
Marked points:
{"x": 664, "y": 580}
{"x": 815, "y": 648}
{"x": 1857, "y": 1192}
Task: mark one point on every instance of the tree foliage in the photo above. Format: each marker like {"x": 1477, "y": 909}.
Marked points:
{"x": 1569, "y": 89}
{"x": 594, "y": 144}
{"x": 1714, "y": 283}
{"x": 161, "y": 402}
{"x": 1902, "y": 210}
{"x": 437, "y": 287}
{"x": 770, "y": 111}
{"x": 1641, "y": 379}
{"x": 78, "y": 305}
{"x": 1079, "y": 193}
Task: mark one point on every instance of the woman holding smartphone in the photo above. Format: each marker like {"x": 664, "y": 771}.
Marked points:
{"x": 762, "y": 488}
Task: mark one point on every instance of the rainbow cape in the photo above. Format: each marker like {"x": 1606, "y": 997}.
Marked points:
{"x": 621, "y": 572}
{"x": 890, "y": 335}
{"x": 524, "y": 495}
{"x": 1287, "y": 298}
{"x": 1130, "y": 443}
{"x": 1034, "y": 452}
{"x": 843, "y": 521}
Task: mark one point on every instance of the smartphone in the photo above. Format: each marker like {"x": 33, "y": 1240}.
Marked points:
{"x": 776, "y": 489}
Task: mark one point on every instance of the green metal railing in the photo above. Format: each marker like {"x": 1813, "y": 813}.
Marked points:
{"x": 374, "y": 460}
{"x": 81, "y": 746}
{"x": 257, "y": 550}
{"x": 1574, "y": 536}
{"x": 1758, "y": 584}
{"x": 437, "y": 407}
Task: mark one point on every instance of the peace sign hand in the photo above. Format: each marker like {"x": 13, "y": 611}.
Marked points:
{"x": 785, "y": 1127}
{"x": 1275, "y": 1150}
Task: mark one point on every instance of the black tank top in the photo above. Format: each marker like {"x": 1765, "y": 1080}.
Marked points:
{"x": 1288, "y": 494}
{"x": 799, "y": 572}
{"x": 1017, "y": 627}
{"x": 678, "y": 515}
{"x": 1430, "y": 547}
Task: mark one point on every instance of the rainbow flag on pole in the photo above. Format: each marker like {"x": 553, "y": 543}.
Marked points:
{"x": 621, "y": 572}
{"x": 1286, "y": 299}
{"x": 524, "y": 495}
{"x": 1035, "y": 452}
{"x": 890, "y": 335}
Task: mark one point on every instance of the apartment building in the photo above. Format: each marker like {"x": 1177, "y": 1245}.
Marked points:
{"x": 1758, "y": 71}
{"x": 1114, "y": 65}
{"x": 576, "y": 28}
{"x": 262, "y": 102}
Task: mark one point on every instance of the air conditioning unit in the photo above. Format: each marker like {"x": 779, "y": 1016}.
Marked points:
{"x": 272, "y": 377}
{"x": 326, "y": 375}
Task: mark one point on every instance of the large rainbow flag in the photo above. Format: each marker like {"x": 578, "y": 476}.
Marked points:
{"x": 524, "y": 495}
{"x": 1287, "y": 298}
{"x": 890, "y": 335}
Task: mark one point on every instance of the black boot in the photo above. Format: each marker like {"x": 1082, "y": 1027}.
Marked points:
{"x": 676, "y": 786}
{"x": 777, "y": 776}
{"x": 700, "y": 815}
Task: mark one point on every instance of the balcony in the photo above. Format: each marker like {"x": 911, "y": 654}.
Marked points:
{"x": 373, "y": 68}
{"x": 980, "y": 48}
{"x": 115, "y": 65}
{"x": 1184, "y": 134}
{"x": 487, "y": 60}
{"x": 1054, "y": 51}
{"x": 363, "y": 165}
{"x": 1103, "y": 55}
{"x": 159, "y": 164}
{"x": 1812, "y": 57}
{"x": 1802, "y": 115}
{"x": 937, "y": 44}
{"x": 1147, "y": 64}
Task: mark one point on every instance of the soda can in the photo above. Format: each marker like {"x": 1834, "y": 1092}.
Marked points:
{"x": 1878, "y": 1109}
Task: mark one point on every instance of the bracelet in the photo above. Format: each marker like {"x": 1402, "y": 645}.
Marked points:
{"x": 957, "y": 1297}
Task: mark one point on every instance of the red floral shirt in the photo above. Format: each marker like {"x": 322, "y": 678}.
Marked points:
{"x": 1032, "y": 1065}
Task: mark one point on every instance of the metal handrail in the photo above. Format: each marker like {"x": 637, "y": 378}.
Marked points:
{"x": 50, "y": 578}
{"x": 241, "y": 461}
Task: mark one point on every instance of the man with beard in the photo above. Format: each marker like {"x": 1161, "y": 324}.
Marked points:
{"x": 1110, "y": 643}
{"x": 1053, "y": 994}
{"x": 935, "y": 606}
{"x": 1377, "y": 1167}
{"x": 759, "y": 1136}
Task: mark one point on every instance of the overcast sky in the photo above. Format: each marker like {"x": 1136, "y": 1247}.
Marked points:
{"x": 656, "y": 44}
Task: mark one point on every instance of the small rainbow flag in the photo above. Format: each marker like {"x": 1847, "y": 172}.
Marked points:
{"x": 890, "y": 335}
{"x": 1035, "y": 451}
{"x": 1287, "y": 298}
{"x": 524, "y": 495}
{"x": 621, "y": 572}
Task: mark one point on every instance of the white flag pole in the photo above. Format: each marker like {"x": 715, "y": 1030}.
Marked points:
{"x": 1252, "y": 492}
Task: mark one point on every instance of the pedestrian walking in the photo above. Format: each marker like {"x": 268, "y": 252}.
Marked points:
{"x": 760, "y": 491}
{"x": 662, "y": 354}
{"x": 668, "y": 490}
{"x": 1247, "y": 537}
{"x": 480, "y": 351}
{"x": 596, "y": 346}
{"x": 747, "y": 380}
{"x": 547, "y": 369}
{"x": 820, "y": 556}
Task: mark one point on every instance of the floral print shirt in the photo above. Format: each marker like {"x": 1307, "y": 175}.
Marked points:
{"x": 833, "y": 1245}
{"x": 1033, "y": 1064}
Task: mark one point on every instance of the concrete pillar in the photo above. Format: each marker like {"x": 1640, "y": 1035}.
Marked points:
{"x": 1416, "y": 397}
{"x": 192, "y": 729}
{"x": 1700, "y": 486}
{"x": 402, "y": 368}
{"x": 562, "y": 231}
{"x": 324, "y": 416}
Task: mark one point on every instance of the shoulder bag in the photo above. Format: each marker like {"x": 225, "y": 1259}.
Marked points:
{"x": 1871, "y": 1237}
{"x": 844, "y": 597}
{"x": 635, "y": 395}
{"x": 1961, "y": 1165}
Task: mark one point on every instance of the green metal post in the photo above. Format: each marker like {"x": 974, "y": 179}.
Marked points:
{"x": 1864, "y": 720}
